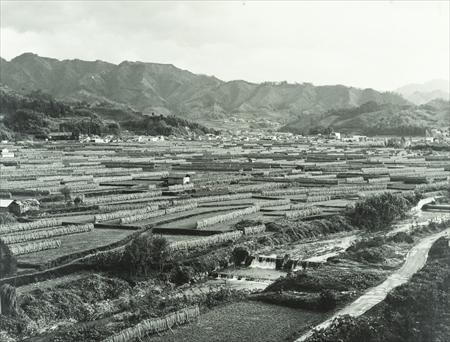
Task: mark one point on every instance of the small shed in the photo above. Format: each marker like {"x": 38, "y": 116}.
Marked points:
{"x": 178, "y": 179}
{"x": 5, "y": 203}
{"x": 20, "y": 207}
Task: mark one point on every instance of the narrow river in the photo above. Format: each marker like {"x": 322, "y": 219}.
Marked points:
{"x": 414, "y": 262}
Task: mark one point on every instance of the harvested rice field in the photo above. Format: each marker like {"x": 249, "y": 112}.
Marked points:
{"x": 243, "y": 321}
{"x": 77, "y": 243}
{"x": 165, "y": 241}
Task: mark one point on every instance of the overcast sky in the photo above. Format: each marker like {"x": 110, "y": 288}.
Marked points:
{"x": 379, "y": 44}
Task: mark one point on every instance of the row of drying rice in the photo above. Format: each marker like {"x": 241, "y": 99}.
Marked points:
{"x": 46, "y": 233}
{"x": 156, "y": 213}
{"x": 205, "y": 241}
{"x": 209, "y": 221}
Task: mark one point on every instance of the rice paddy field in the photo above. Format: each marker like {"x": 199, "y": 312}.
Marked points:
{"x": 124, "y": 187}
{"x": 78, "y": 243}
{"x": 68, "y": 202}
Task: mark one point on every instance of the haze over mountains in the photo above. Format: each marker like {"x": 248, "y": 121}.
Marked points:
{"x": 421, "y": 93}
{"x": 165, "y": 89}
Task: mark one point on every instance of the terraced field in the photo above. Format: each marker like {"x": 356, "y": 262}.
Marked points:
{"x": 232, "y": 216}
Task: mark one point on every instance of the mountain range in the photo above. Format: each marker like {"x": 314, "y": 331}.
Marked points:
{"x": 373, "y": 118}
{"x": 167, "y": 90}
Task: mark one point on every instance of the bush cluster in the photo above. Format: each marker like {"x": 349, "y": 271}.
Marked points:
{"x": 379, "y": 211}
{"x": 292, "y": 230}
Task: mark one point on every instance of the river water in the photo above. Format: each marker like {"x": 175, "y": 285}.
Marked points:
{"x": 415, "y": 261}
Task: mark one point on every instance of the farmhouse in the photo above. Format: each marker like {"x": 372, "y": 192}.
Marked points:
{"x": 7, "y": 154}
{"x": 60, "y": 136}
{"x": 20, "y": 207}
{"x": 335, "y": 135}
{"x": 359, "y": 138}
{"x": 4, "y": 204}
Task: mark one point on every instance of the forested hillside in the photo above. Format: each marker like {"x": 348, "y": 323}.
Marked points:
{"x": 373, "y": 118}
{"x": 39, "y": 114}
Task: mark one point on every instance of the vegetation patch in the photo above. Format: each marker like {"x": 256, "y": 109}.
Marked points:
{"x": 378, "y": 212}
{"x": 323, "y": 301}
{"x": 327, "y": 277}
{"x": 38, "y": 113}
{"x": 414, "y": 312}
{"x": 293, "y": 230}
{"x": 373, "y": 250}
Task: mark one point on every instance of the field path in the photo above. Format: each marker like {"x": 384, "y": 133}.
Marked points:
{"x": 415, "y": 260}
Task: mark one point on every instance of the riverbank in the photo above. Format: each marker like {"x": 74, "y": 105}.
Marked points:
{"x": 415, "y": 311}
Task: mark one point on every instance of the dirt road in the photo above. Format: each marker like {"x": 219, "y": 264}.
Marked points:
{"x": 414, "y": 262}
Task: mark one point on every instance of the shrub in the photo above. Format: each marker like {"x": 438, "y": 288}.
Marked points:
{"x": 371, "y": 255}
{"x": 401, "y": 237}
{"x": 145, "y": 253}
{"x": 327, "y": 300}
{"x": 368, "y": 250}
{"x": 181, "y": 275}
{"x": 239, "y": 255}
{"x": 78, "y": 200}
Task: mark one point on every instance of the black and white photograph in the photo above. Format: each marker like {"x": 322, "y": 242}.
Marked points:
{"x": 225, "y": 171}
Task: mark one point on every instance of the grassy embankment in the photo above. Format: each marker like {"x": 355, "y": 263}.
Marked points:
{"x": 417, "y": 311}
